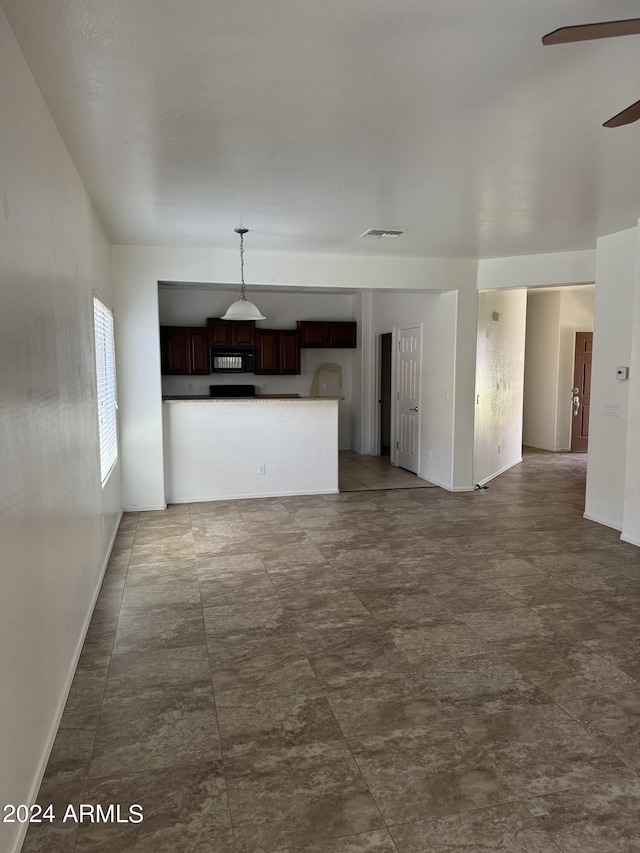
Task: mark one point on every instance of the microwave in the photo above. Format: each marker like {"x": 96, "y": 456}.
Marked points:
{"x": 232, "y": 360}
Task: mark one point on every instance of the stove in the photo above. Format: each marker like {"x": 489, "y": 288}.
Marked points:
{"x": 232, "y": 390}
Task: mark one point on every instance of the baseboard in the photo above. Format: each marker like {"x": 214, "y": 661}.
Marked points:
{"x": 604, "y": 521}
{"x": 501, "y": 471}
{"x": 548, "y": 449}
{"x": 135, "y": 508}
{"x": 236, "y": 497}
{"x": 431, "y": 481}
{"x": 632, "y": 540}
{"x": 53, "y": 731}
{"x": 445, "y": 486}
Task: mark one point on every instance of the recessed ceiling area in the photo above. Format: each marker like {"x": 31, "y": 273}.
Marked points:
{"x": 309, "y": 123}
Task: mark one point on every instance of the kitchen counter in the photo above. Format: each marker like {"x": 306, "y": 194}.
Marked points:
{"x": 250, "y": 447}
{"x": 258, "y": 397}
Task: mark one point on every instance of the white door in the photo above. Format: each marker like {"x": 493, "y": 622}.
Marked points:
{"x": 408, "y": 398}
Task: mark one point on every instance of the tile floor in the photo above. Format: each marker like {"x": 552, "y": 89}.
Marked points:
{"x": 359, "y": 473}
{"x": 398, "y": 670}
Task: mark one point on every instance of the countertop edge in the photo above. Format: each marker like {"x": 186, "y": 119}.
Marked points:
{"x": 258, "y": 399}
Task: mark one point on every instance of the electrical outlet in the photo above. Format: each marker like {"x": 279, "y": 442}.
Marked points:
{"x": 262, "y": 468}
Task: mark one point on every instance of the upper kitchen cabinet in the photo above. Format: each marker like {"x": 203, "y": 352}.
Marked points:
{"x": 184, "y": 350}
{"x": 231, "y": 333}
{"x": 277, "y": 351}
{"x": 327, "y": 334}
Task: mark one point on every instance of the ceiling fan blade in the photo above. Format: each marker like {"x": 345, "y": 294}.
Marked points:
{"x": 585, "y": 32}
{"x": 627, "y": 116}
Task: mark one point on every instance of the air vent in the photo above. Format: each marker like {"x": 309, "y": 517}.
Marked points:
{"x": 377, "y": 233}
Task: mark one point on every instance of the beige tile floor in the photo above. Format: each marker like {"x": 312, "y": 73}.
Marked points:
{"x": 387, "y": 670}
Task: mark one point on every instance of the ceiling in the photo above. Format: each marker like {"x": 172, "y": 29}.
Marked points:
{"x": 309, "y": 123}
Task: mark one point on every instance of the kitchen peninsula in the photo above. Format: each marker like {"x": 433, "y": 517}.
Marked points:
{"x": 240, "y": 442}
{"x": 232, "y": 448}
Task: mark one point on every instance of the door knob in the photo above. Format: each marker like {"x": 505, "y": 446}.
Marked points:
{"x": 414, "y": 409}
{"x": 576, "y": 403}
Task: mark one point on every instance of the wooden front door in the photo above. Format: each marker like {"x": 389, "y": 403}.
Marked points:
{"x": 581, "y": 392}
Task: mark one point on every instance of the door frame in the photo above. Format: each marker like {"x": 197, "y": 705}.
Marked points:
{"x": 377, "y": 426}
{"x": 376, "y": 432}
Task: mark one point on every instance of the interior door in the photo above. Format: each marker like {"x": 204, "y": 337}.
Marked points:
{"x": 408, "y": 398}
{"x": 581, "y": 392}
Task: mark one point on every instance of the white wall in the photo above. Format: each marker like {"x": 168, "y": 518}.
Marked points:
{"x": 296, "y": 441}
{"x": 499, "y": 382}
{"x": 137, "y": 271}
{"x": 56, "y": 523}
{"x": 440, "y": 385}
{"x": 183, "y": 306}
{"x": 364, "y": 379}
{"x": 553, "y": 268}
{"x": 613, "y": 338}
{"x": 542, "y": 353}
{"x": 631, "y": 514}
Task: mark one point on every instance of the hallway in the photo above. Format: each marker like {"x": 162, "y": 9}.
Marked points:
{"x": 384, "y": 671}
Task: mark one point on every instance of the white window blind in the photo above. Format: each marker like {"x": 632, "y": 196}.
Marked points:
{"x": 106, "y": 380}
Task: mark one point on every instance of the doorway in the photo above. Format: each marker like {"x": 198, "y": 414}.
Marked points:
{"x": 554, "y": 317}
{"x": 384, "y": 400}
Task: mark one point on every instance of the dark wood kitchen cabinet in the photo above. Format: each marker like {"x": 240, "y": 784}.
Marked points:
{"x": 327, "y": 334}
{"x": 277, "y": 351}
{"x": 184, "y": 350}
{"x": 289, "y": 351}
{"x": 231, "y": 333}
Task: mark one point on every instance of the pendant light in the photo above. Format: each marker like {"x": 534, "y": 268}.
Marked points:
{"x": 242, "y": 309}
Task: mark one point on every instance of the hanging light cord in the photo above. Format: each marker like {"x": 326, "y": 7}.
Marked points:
{"x": 242, "y": 232}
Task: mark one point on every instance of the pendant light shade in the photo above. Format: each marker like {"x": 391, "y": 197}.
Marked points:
{"x": 242, "y": 309}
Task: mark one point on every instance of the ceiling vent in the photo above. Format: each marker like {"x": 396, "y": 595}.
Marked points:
{"x": 377, "y": 233}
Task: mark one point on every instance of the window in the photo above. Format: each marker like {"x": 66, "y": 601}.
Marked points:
{"x": 106, "y": 381}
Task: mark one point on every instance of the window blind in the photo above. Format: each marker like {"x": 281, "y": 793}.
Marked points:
{"x": 106, "y": 382}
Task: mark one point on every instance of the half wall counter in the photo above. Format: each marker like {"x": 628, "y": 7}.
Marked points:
{"x": 234, "y": 448}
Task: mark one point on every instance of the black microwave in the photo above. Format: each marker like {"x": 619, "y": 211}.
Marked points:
{"x": 232, "y": 360}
